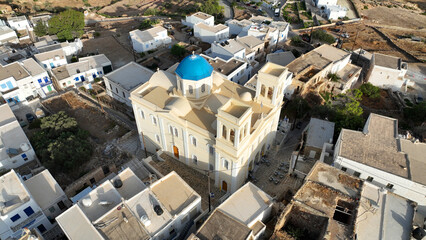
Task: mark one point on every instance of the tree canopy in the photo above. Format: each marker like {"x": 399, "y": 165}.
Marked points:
{"x": 40, "y": 29}
{"x": 211, "y": 7}
{"x": 67, "y": 25}
{"x": 178, "y": 50}
{"x": 60, "y": 144}
{"x": 370, "y": 90}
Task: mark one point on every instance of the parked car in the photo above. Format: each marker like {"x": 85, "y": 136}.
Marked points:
{"x": 339, "y": 23}
{"x": 39, "y": 113}
{"x": 167, "y": 26}
{"x": 30, "y": 117}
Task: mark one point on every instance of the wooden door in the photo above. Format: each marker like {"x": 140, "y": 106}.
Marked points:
{"x": 176, "y": 152}
{"x": 224, "y": 186}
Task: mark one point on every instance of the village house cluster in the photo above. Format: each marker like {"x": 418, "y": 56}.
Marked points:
{"x": 220, "y": 113}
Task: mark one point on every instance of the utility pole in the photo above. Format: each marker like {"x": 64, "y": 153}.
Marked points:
{"x": 208, "y": 179}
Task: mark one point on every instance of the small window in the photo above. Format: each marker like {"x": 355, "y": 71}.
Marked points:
{"x": 157, "y": 138}
{"x": 224, "y": 131}
{"x": 211, "y": 167}
{"x": 191, "y": 90}
{"x": 176, "y": 132}
{"x": 142, "y": 114}
{"x": 389, "y": 186}
{"x": 92, "y": 181}
{"x": 41, "y": 228}
{"x": 211, "y": 150}
{"x": 194, "y": 159}
{"x": 124, "y": 95}
{"x": 52, "y": 209}
{"x": 203, "y": 88}
{"x": 194, "y": 141}
{"x": 61, "y": 204}
{"x": 357, "y": 174}
{"x": 110, "y": 86}
{"x": 370, "y": 179}
{"x": 29, "y": 211}
{"x": 15, "y": 218}
{"x": 154, "y": 120}
{"x": 344, "y": 169}
{"x": 170, "y": 129}
{"x": 225, "y": 164}
{"x": 116, "y": 89}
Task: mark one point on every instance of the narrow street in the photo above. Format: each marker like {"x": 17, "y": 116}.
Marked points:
{"x": 228, "y": 12}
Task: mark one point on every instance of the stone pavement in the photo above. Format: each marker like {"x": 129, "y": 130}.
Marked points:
{"x": 279, "y": 158}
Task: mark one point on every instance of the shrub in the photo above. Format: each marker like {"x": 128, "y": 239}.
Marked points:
{"x": 35, "y": 124}
{"x": 178, "y": 50}
{"x": 323, "y": 36}
{"x": 333, "y": 77}
{"x": 60, "y": 144}
{"x": 67, "y": 25}
{"x": 97, "y": 34}
{"x": 296, "y": 41}
{"x": 147, "y": 23}
{"x": 365, "y": 7}
{"x": 370, "y": 90}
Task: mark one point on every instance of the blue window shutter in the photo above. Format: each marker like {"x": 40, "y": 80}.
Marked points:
{"x": 16, "y": 99}
{"x": 39, "y": 80}
{"x": 24, "y": 155}
{"x": 9, "y": 84}
{"x": 76, "y": 79}
{"x": 3, "y": 86}
{"x": 29, "y": 211}
{"x": 15, "y": 218}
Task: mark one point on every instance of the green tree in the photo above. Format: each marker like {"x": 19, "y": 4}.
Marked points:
{"x": 212, "y": 7}
{"x": 147, "y": 23}
{"x": 40, "y": 29}
{"x": 178, "y": 50}
{"x": 67, "y": 25}
{"x": 60, "y": 144}
{"x": 370, "y": 90}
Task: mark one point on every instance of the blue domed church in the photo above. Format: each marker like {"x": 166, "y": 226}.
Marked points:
{"x": 196, "y": 116}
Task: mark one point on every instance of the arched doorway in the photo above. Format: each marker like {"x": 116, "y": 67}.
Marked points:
{"x": 250, "y": 168}
{"x": 176, "y": 152}
{"x": 225, "y": 186}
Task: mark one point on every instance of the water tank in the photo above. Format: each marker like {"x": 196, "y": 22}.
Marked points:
{"x": 158, "y": 210}
{"x": 145, "y": 220}
{"x": 419, "y": 233}
{"x": 24, "y": 147}
{"x": 118, "y": 183}
{"x": 87, "y": 202}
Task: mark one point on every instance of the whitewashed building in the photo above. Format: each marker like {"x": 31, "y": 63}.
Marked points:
{"x": 380, "y": 156}
{"x": 242, "y": 216}
{"x": 69, "y": 48}
{"x": 83, "y": 72}
{"x": 19, "y": 23}
{"x": 149, "y": 39}
{"x": 207, "y": 122}
{"x": 18, "y": 208}
{"x": 8, "y": 35}
{"x": 199, "y": 17}
{"x": 232, "y": 69}
{"x": 335, "y": 12}
{"x": 51, "y": 59}
{"x": 125, "y": 208}
{"x": 122, "y": 81}
{"x": 387, "y": 72}
{"x": 20, "y": 80}
{"x": 323, "y": 3}
{"x": 211, "y": 34}
{"x": 15, "y": 148}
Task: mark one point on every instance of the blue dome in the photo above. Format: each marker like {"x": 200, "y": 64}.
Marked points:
{"x": 194, "y": 67}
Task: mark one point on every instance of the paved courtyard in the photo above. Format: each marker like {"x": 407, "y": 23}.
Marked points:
{"x": 274, "y": 179}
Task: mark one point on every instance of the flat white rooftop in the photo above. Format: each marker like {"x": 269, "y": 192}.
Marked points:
{"x": 130, "y": 76}
{"x": 383, "y": 215}
{"x": 143, "y": 205}
{"x": 246, "y": 203}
